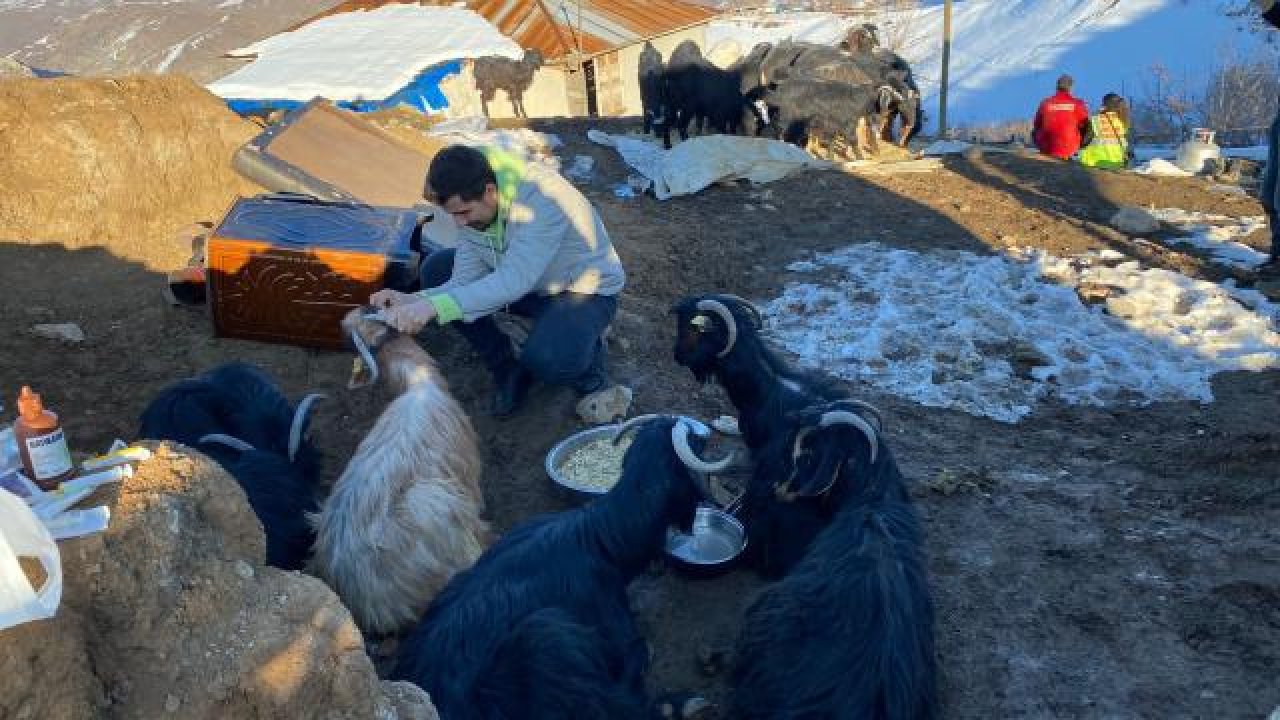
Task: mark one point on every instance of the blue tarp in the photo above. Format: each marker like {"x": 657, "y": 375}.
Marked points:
{"x": 422, "y": 94}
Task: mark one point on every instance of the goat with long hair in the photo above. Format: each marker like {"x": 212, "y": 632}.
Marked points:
{"x": 237, "y": 416}
{"x": 848, "y": 633}
{"x": 540, "y": 627}
{"x": 718, "y": 338}
{"x": 798, "y": 487}
{"x": 405, "y": 515}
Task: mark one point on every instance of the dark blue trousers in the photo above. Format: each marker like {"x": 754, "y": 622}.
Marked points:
{"x": 565, "y": 346}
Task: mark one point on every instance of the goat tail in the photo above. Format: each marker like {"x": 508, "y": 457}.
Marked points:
{"x": 551, "y": 666}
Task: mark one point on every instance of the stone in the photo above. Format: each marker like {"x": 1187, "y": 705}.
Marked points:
{"x": 66, "y": 332}
{"x": 604, "y": 406}
{"x": 1096, "y": 293}
{"x": 1133, "y": 220}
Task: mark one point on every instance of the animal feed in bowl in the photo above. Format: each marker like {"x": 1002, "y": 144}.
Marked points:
{"x": 596, "y": 465}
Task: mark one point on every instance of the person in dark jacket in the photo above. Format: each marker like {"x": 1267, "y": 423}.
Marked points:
{"x": 1267, "y": 193}
{"x": 1061, "y": 121}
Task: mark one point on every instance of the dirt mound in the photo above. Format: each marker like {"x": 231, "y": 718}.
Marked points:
{"x": 171, "y": 612}
{"x": 117, "y": 162}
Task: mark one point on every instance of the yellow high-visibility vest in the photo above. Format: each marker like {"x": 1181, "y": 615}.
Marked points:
{"x": 1109, "y": 148}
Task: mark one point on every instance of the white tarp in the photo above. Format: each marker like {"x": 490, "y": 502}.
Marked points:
{"x": 698, "y": 162}
{"x": 365, "y": 55}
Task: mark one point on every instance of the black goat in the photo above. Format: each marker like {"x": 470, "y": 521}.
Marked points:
{"x": 540, "y": 626}
{"x": 494, "y": 72}
{"x": 698, "y": 90}
{"x": 653, "y": 94}
{"x": 748, "y": 70}
{"x": 806, "y": 108}
{"x": 236, "y": 415}
{"x": 848, "y": 633}
{"x": 798, "y": 485}
{"x": 717, "y": 337}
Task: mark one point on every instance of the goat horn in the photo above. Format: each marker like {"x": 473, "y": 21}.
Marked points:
{"x": 632, "y": 424}
{"x": 800, "y": 436}
{"x": 231, "y": 442}
{"x": 843, "y": 417}
{"x": 367, "y": 358}
{"x": 680, "y": 441}
{"x": 717, "y": 307}
{"x": 755, "y": 311}
{"x": 875, "y": 412}
{"x": 300, "y": 419}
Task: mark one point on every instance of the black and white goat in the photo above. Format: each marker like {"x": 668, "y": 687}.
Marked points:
{"x": 237, "y": 416}
{"x": 540, "y": 627}
{"x": 406, "y": 513}
{"x": 848, "y": 633}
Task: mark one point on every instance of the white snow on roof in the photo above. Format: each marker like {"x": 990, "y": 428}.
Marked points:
{"x": 366, "y": 55}
{"x": 995, "y": 335}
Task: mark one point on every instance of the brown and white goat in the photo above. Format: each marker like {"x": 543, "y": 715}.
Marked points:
{"x": 404, "y": 517}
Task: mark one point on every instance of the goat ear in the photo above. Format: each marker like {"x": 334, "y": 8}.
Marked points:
{"x": 821, "y": 476}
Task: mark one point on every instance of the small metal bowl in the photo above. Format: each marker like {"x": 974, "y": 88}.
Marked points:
{"x": 716, "y": 541}
{"x": 563, "y": 449}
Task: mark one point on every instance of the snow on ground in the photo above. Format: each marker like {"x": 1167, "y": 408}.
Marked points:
{"x": 1217, "y": 234}
{"x": 365, "y": 55}
{"x": 1160, "y": 167}
{"x": 994, "y": 335}
{"x": 945, "y": 147}
{"x": 529, "y": 145}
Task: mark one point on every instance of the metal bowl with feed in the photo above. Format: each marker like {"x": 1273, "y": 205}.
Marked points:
{"x": 588, "y": 463}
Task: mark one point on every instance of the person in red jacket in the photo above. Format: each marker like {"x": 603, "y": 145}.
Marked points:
{"x": 1060, "y": 122}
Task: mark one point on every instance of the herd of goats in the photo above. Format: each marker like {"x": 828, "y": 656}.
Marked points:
{"x": 803, "y": 93}
{"x": 536, "y": 624}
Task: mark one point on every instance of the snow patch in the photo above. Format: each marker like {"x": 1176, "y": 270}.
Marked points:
{"x": 995, "y": 335}
{"x": 1217, "y": 234}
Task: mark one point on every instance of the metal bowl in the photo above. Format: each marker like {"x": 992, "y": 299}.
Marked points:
{"x": 563, "y": 449}
{"x": 716, "y": 540}
{"x": 559, "y": 453}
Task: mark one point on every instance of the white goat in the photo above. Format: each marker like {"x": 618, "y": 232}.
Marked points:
{"x": 405, "y": 515}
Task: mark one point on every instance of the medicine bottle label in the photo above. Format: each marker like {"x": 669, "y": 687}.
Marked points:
{"x": 50, "y": 457}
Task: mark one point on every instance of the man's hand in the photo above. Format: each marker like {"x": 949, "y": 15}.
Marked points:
{"x": 389, "y": 298}
{"x": 409, "y": 316}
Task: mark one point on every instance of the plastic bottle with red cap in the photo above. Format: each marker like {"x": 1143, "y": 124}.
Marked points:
{"x": 41, "y": 442}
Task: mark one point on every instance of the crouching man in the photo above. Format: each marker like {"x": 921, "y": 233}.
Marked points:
{"x": 528, "y": 242}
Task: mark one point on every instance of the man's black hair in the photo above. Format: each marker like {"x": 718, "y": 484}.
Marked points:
{"x": 461, "y": 171}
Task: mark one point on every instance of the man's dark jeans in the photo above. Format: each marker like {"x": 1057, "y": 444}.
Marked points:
{"x": 1267, "y": 193}
{"x": 566, "y": 345}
